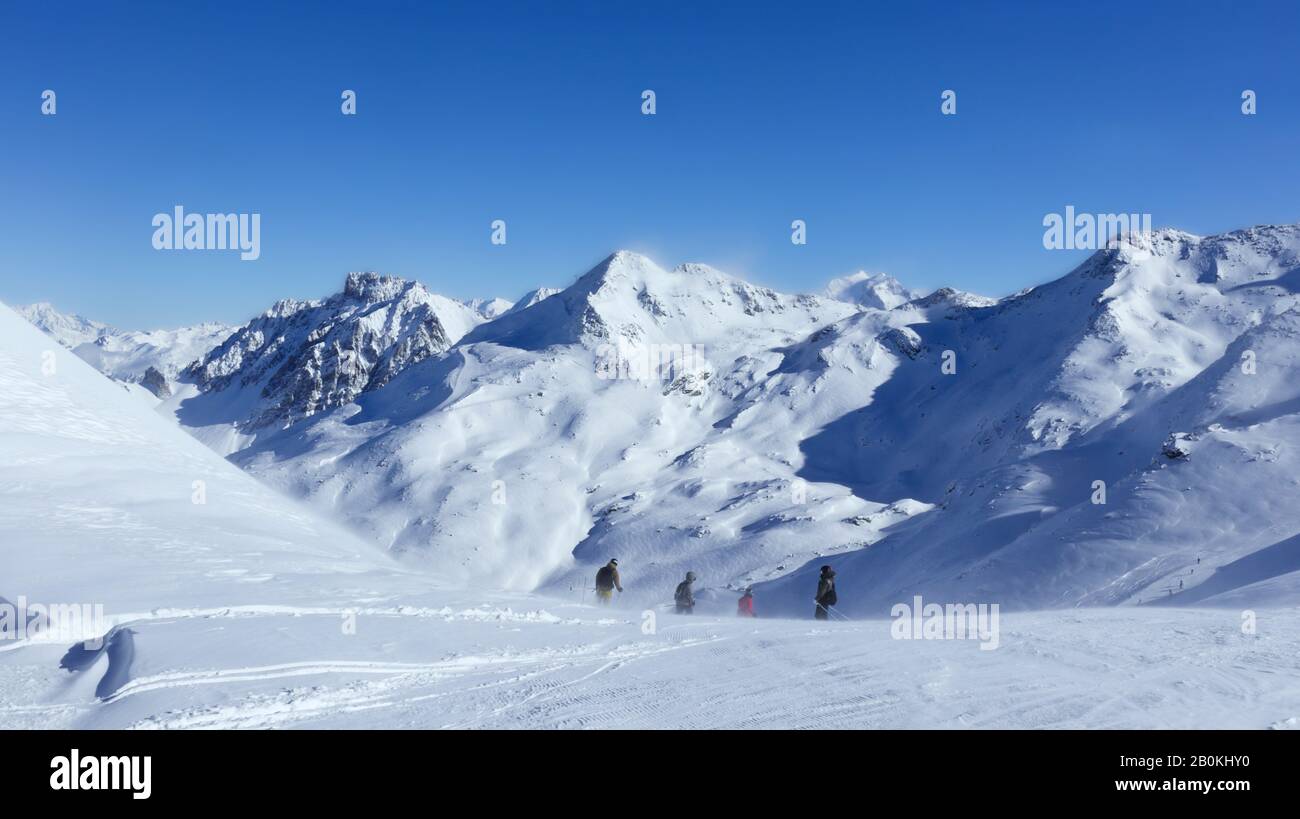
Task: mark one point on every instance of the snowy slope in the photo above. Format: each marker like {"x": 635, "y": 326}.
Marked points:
{"x": 82, "y": 456}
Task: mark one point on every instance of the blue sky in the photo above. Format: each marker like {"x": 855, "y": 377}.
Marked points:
{"x": 530, "y": 112}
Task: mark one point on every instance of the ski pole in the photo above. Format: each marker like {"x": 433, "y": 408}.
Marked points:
{"x": 837, "y": 613}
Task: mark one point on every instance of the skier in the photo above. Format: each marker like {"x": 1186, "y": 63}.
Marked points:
{"x": 745, "y": 606}
{"x": 606, "y": 581}
{"x": 825, "y": 593}
{"x": 685, "y": 596}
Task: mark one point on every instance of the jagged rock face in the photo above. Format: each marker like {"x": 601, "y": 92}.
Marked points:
{"x": 903, "y": 340}
{"x": 1178, "y": 445}
{"x": 156, "y": 383}
{"x": 312, "y": 356}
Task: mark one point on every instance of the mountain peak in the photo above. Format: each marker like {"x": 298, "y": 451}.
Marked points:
{"x": 621, "y": 265}
{"x": 490, "y": 308}
{"x": 301, "y": 358}
{"x": 532, "y": 297}
{"x": 629, "y": 298}
{"x": 627, "y": 257}
{"x": 373, "y": 287}
{"x": 950, "y": 297}
{"x": 876, "y": 290}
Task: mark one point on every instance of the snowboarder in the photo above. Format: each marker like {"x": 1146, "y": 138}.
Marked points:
{"x": 825, "y": 593}
{"x": 685, "y": 596}
{"x": 745, "y": 606}
{"x": 607, "y": 580}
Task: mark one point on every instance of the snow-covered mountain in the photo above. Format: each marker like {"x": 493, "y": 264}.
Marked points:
{"x": 532, "y": 297}
{"x": 877, "y": 290}
{"x": 947, "y": 300}
{"x": 948, "y": 444}
{"x": 70, "y": 330}
{"x": 515, "y": 460}
{"x": 154, "y": 358}
{"x": 490, "y": 308}
{"x": 628, "y": 299}
{"x": 300, "y": 358}
{"x": 1075, "y": 388}
{"x": 151, "y": 359}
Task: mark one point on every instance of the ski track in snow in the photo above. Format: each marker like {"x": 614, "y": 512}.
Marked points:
{"x": 525, "y": 676}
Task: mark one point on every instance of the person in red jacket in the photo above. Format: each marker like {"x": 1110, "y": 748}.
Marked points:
{"x": 745, "y": 606}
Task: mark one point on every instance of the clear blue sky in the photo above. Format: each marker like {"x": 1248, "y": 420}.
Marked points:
{"x": 530, "y": 112}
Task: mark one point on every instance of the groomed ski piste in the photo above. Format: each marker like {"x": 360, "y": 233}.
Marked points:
{"x": 227, "y": 605}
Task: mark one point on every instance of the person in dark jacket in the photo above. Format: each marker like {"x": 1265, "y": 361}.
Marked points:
{"x": 745, "y": 606}
{"x": 607, "y": 580}
{"x": 825, "y": 593}
{"x": 685, "y": 595}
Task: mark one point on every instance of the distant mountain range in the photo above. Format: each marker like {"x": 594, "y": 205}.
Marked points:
{"x": 1127, "y": 433}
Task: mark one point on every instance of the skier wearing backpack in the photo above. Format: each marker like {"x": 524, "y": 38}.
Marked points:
{"x": 607, "y": 580}
{"x": 825, "y": 593}
{"x": 685, "y": 595}
{"x": 745, "y": 606}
